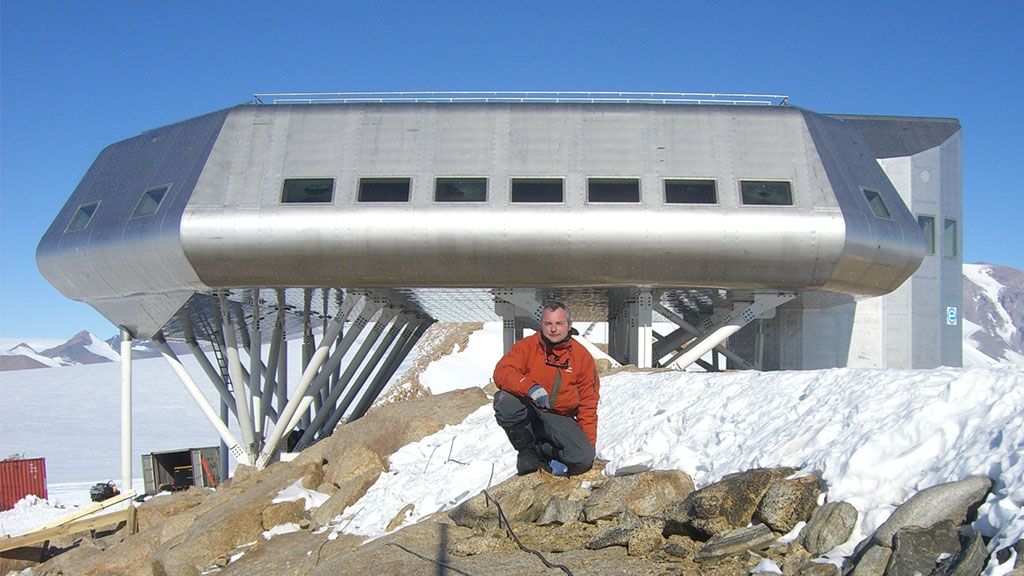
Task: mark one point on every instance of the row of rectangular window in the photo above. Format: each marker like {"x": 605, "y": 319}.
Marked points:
{"x": 540, "y": 190}
{"x": 950, "y": 244}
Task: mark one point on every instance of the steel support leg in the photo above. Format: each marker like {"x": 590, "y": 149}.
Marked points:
{"x": 684, "y": 334}
{"x": 243, "y": 412}
{"x": 731, "y": 323}
{"x": 329, "y": 409}
{"x": 411, "y": 335}
{"x": 126, "y": 410}
{"x": 380, "y": 346}
{"x": 283, "y": 424}
{"x": 256, "y": 368}
{"x": 241, "y": 454}
{"x": 629, "y": 326}
{"x": 276, "y": 341}
{"x": 212, "y": 373}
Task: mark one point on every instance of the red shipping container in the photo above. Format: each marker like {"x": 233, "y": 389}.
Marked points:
{"x": 19, "y": 478}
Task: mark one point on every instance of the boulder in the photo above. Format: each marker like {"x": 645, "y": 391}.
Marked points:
{"x": 646, "y": 493}
{"x": 561, "y": 511}
{"x": 736, "y": 542}
{"x": 681, "y": 546}
{"x": 522, "y": 499}
{"x": 818, "y": 569}
{"x": 872, "y": 561}
{"x": 918, "y": 550}
{"x": 386, "y": 428}
{"x": 345, "y": 495}
{"x": 723, "y": 506}
{"x": 788, "y": 502}
{"x": 830, "y": 525}
{"x": 970, "y": 561}
{"x": 357, "y": 460}
{"x": 283, "y": 513}
{"x": 949, "y": 501}
{"x": 236, "y": 518}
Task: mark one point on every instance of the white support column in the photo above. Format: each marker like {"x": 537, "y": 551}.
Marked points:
{"x": 239, "y": 453}
{"x": 328, "y": 409}
{"x": 242, "y": 407}
{"x": 284, "y": 418}
{"x": 126, "y": 410}
{"x": 675, "y": 342}
{"x": 731, "y": 323}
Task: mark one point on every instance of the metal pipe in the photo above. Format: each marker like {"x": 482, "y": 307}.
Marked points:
{"x": 386, "y": 315}
{"x": 256, "y": 366}
{"x": 267, "y": 394}
{"x": 242, "y": 413}
{"x": 329, "y": 409}
{"x": 126, "y": 410}
{"x": 679, "y": 321}
{"x": 212, "y": 374}
{"x": 292, "y": 408}
{"x": 389, "y": 368}
{"x": 240, "y": 453}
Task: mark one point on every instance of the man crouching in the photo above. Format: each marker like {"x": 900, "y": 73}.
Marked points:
{"x": 547, "y": 398}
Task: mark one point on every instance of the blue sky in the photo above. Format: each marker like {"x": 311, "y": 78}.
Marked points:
{"x": 76, "y": 77}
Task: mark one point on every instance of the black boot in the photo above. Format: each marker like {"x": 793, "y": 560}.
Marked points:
{"x": 530, "y": 458}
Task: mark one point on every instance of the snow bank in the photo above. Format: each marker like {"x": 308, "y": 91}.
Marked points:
{"x": 876, "y": 437}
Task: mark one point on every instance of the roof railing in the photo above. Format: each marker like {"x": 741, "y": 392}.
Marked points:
{"x": 539, "y": 96}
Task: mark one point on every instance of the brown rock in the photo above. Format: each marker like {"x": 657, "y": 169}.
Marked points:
{"x": 344, "y": 496}
{"x": 283, "y": 513}
{"x": 788, "y": 502}
{"x": 646, "y": 493}
{"x": 723, "y": 506}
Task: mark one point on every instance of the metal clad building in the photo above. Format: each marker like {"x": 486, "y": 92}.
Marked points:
{"x": 781, "y": 237}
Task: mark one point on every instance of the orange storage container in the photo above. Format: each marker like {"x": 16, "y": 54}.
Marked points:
{"x": 19, "y": 478}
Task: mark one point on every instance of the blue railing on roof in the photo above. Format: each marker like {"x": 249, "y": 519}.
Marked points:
{"x": 476, "y": 96}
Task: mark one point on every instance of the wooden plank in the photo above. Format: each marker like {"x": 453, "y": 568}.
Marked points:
{"x": 72, "y": 527}
{"x": 90, "y": 509}
{"x": 74, "y": 523}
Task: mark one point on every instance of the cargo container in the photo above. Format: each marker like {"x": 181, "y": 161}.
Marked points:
{"x": 180, "y": 469}
{"x": 19, "y": 478}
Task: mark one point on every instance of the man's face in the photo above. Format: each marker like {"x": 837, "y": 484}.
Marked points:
{"x": 554, "y": 325}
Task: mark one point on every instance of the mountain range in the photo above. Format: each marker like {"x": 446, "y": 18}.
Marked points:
{"x": 993, "y": 331}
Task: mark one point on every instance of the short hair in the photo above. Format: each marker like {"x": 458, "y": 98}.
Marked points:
{"x": 553, "y": 305}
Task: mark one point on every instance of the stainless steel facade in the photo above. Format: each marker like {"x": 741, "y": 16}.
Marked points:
{"x": 223, "y": 225}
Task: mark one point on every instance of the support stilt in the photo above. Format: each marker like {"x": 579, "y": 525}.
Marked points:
{"x": 126, "y": 410}
{"x": 242, "y": 406}
{"x": 240, "y": 454}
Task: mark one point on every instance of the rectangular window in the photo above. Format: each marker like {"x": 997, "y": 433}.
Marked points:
{"x": 384, "y": 189}
{"x": 690, "y": 192}
{"x": 305, "y": 190}
{"x": 460, "y": 190}
{"x": 150, "y": 201}
{"x": 765, "y": 193}
{"x": 613, "y": 190}
{"x": 82, "y": 216}
{"x": 950, "y": 246}
{"x": 877, "y": 204}
{"x": 537, "y": 190}
{"x": 927, "y": 224}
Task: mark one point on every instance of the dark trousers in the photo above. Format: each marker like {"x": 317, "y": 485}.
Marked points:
{"x": 559, "y": 437}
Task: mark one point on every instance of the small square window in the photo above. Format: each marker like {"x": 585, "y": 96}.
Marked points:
{"x": 877, "y": 204}
{"x": 460, "y": 190}
{"x": 690, "y": 192}
{"x": 82, "y": 216}
{"x": 928, "y": 230}
{"x": 537, "y": 190}
{"x": 764, "y": 193}
{"x": 306, "y": 190}
{"x": 384, "y": 189}
{"x": 150, "y": 201}
{"x": 950, "y": 246}
{"x": 613, "y": 190}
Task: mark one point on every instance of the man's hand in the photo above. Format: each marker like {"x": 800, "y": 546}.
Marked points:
{"x": 539, "y": 396}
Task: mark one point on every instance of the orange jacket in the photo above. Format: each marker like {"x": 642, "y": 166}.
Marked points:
{"x": 532, "y": 361}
